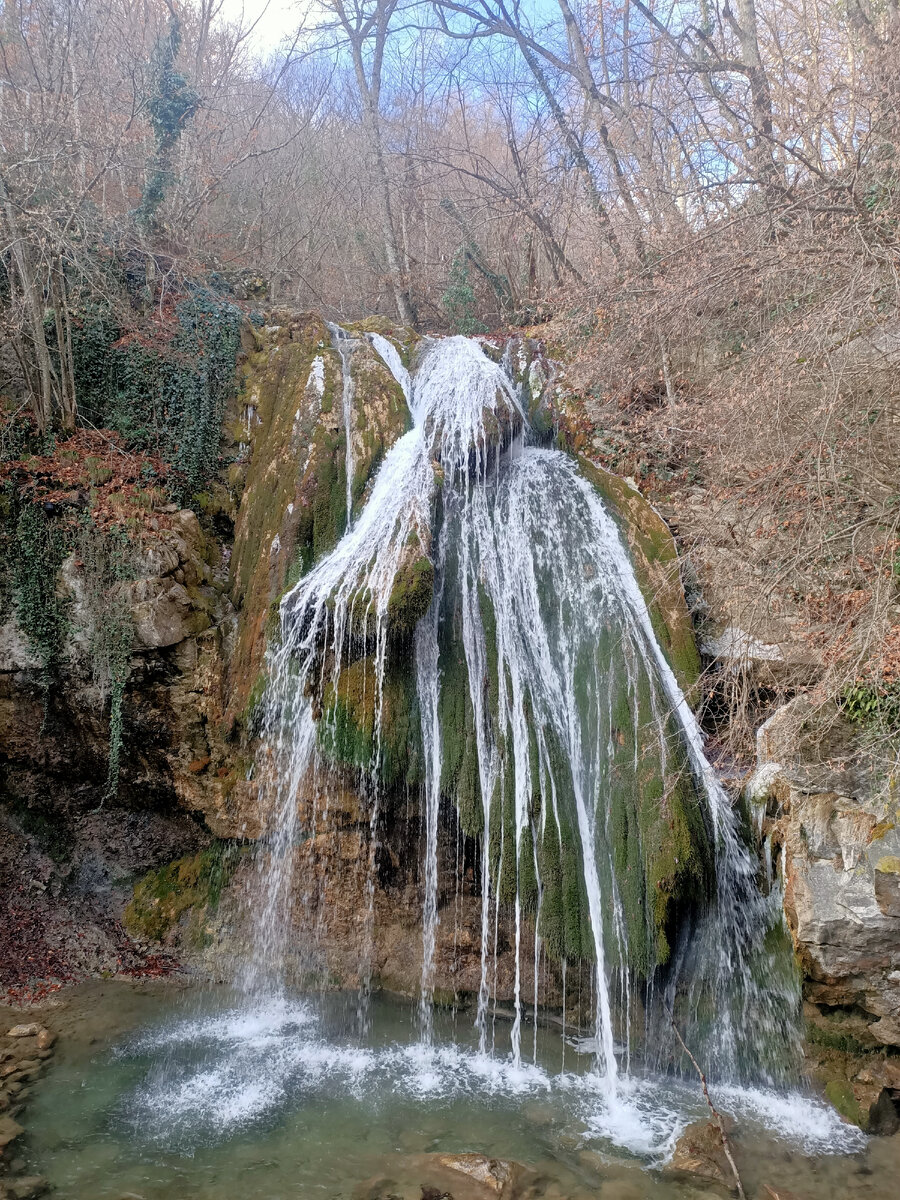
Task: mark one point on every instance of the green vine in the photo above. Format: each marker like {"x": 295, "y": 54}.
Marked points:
{"x": 171, "y": 103}
{"x": 459, "y": 301}
{"x": 873, "y": 705}
{"x": 166, "y": 398}
{"x": 107, "y": 559}
{"x": 41, "y": 544}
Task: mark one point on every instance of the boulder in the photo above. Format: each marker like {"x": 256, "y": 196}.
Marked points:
{"x": 494, "y": 1173}
{"x": 27, "y": 1187}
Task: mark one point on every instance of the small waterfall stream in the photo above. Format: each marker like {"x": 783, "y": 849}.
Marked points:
{"x": 571, "y": 709}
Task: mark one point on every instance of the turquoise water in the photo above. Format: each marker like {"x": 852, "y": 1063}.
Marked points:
{"x": 164, "y": 1093}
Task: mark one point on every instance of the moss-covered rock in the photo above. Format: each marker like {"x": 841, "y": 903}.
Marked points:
{"x": 531, "y": 372}
{"x": 660, "y": 845}
{"x": 193, "y": 884}
{"x": 349, "y": 731}
{"x": 412, "y": 591}
{"x": 289, "y": 475}
{"x": 460, "y": 777}
{"x": 655, "y": 560}
{"x": 379, "y": 417}
{"x": 294, "y": 504}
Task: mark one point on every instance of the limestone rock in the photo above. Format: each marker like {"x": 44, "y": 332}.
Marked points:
{"x": 841, "y": 861}
{"x": 497, "y": 1176}
{"x": 495, "y": 1173}
{"x": 31, "y": 1030}
{"x": 164, "y": 614}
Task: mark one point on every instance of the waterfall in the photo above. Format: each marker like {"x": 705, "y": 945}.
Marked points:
{"x": 345, "y": 345}
{"x": 549, "y": 717}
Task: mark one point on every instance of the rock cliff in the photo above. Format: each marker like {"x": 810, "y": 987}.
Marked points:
{"x": 201, "y": 597}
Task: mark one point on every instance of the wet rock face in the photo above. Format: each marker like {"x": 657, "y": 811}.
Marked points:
{"x": 342, "y": 932}
{"x": 839, "y": 831}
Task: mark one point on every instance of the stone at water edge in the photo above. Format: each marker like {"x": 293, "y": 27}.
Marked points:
{"x": 495, "y": 1173}
{"x": 504, "y": 1178}
{"x": 32, "y": 1030}
{"x": 699, "y": 1151}
{"x": 9, "y": 1131}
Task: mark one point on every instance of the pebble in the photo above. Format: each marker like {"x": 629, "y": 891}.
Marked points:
{"x": 45, "y": 1039}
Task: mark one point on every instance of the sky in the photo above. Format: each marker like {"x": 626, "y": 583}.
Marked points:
{"x": 280, "y": 18}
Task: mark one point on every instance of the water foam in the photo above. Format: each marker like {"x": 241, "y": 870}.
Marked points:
{"x": 218, "y": 1074}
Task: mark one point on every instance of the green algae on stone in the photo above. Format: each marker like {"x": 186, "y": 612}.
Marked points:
{"x": 348, "y": 731}
{"x": 411, "y": 592}
{"x": 194, "y": 883}
{"x": 840, "y": 1093}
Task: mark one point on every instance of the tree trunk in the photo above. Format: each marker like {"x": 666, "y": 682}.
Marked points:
{"x": 33, "y": 297}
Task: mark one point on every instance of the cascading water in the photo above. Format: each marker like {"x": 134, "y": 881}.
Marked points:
{"x": 476, "y": 649}
{"x": 583, "y": 774}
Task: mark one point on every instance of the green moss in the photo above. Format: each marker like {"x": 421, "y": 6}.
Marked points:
{"x": 162, "y": 897}
{"x": 348, "y": 730}
{"x": 460, "y": 776}
{"x": 551, "y": 920}
{"x": 380, "y": 417}
{"x": 655, "y": 560}
{"x": 840, "y": 1093}
{"x": 489, "y": 625}
{"x": 528, "y": 881}
{"x": 295, "y": 461}
{"x": 252, "y": 708}
{"x": 410, "y": 595}
{"x": 660, "y": 846}
{"x": 565, "y": 917}
{"x": 506, "y": 880}
{"x": 403, "y": 338}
